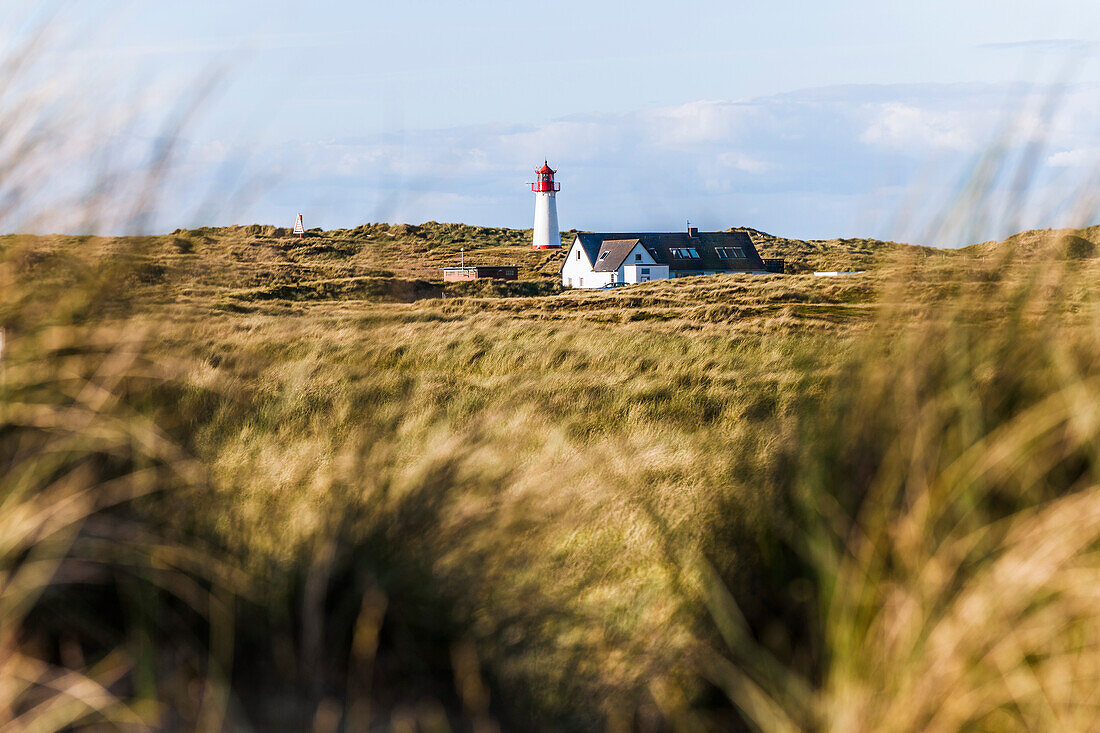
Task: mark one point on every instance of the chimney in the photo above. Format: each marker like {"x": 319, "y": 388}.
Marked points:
{"x": 692, "y": 231}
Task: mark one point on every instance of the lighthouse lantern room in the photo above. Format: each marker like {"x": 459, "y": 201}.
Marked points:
{"x": 546, "y": 234}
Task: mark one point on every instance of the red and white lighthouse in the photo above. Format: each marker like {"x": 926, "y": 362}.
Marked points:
{"x": 546, "y": 234}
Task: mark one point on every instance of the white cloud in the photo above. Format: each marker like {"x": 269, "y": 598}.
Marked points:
{"x": 585, "y": 139}
{"x": 1088, "y": 157}
{"x": 695, "y": 123}
{"x": 743, "y": 162}
{"x": 815, "y": 163}
{"x": 1060, "y": 46}
{"x": 906, "y": 127}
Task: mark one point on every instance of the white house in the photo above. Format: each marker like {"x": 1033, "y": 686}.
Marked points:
{"x": 598, "y": 260}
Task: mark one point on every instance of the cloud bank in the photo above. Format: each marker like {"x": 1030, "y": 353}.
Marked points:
{"x": 841, "y": 161}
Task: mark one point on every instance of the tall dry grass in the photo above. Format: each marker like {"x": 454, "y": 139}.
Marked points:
{"x": 88, "y": 584}
{"x": 944, "y": 508}
{"x": 538, "y": 486}
{"x": 84, "y": 581}
{"x": 480, "y": 510}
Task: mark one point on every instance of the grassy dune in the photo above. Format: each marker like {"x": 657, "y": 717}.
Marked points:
{"x": 265, "y": 262}
{"x": 773, "y": 502}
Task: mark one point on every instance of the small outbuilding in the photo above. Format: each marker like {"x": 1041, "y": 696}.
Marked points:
{"x": 480, "y": 272}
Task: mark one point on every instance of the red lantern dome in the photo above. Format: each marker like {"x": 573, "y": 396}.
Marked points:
{"x": 545, "y": 179}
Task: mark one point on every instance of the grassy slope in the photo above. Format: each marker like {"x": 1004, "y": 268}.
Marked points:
{"x": 514, "y": 472}
{"x": 832, "y": 254}
{"x": 405, "y": 250}
{"x": 447, "y": 432}
{"x": 1036, "y": 243}
{"x": 418, "y": 251}
{"x": 402, "y": 262}
{"x": 597, "y": 427}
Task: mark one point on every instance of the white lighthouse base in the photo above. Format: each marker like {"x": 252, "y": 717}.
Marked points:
{"x": 546, "y": 234}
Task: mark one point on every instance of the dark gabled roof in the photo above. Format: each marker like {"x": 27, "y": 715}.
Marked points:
{"x": 659, "y": 244}
{"x": 612, "y": 253}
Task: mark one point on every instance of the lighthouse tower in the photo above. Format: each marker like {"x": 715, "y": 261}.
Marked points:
{"x": 546, "y": 234}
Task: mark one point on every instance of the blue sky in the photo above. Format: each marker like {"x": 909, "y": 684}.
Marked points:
{"x": 807, "y": 119}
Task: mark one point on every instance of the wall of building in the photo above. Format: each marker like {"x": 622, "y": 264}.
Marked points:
{"x": 638, "y": 261}
{"x": 499, "y": 273}
{"x": 577, "y": 270}
{"x": 459, "y": 274}
{"x": 643, "y": 272}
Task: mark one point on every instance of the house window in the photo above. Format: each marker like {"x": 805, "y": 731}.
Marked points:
{"x": 730, "y": 253}
{"x": 684, "y": 253}
{"x": 604, "y": 255}
{"x": 580, "y": 282}
{"x": 645, "y": 270}
{"x": 638, "y": 257}
{"x": 578, "y": 254}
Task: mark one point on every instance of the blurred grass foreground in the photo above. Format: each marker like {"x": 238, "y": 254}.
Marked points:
{"x": 334, "y": 500}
